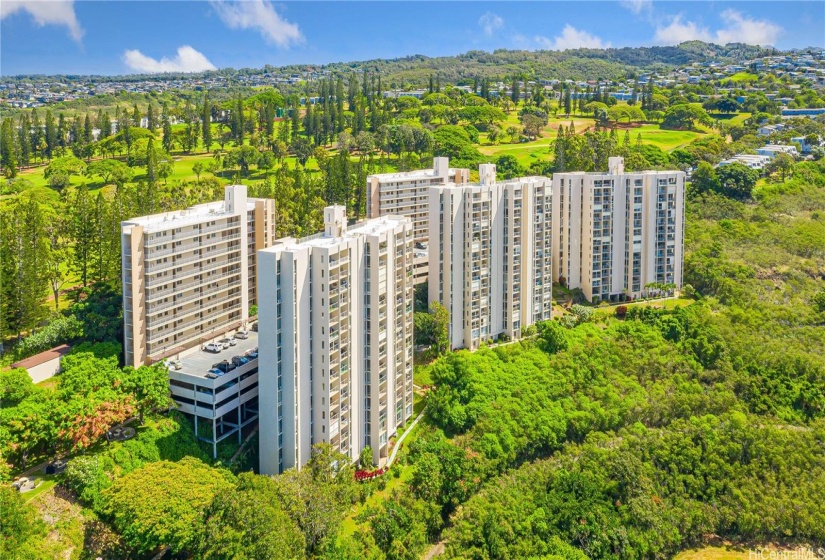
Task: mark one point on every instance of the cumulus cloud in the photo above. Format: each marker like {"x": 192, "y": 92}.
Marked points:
{"x": 261, "y": 16}
{"x": 637, "y": 6}
{"x": 738, "y": 28}
{"x": 490, "y": 22}
{"x": 679, "y": 31}
{"x": 53, "y": 12}
{"x": 571, "y": 38}
{"x": 187, "y": 60}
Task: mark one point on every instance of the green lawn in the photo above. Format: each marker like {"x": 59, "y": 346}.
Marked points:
{"x": 665, "y": 139}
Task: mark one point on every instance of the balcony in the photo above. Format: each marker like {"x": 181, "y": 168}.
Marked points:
{"x": 199, "y": 270}
{"x": 180, "y": 301}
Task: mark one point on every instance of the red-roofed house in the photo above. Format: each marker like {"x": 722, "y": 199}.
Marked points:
{"x": 45, "y": 364}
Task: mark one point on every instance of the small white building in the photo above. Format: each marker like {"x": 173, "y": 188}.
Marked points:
{"x": 768, "y": 129}
{"x": 753, "y": 161}
{"x": 772, "y": 150}
{"x": 44, "y": 365}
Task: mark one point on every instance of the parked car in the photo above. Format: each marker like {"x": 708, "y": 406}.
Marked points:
{"x": 225, "y": 366}
{"x": 227, "y": 342}
{"x": 255, "y": 326}
{"x": 239, "y": 360}
{"x": 213, "y": 374}
{"x": 243, "y": 335}
{"x": 213, "y": 347}
{"x": 252, "y": 354}
{"x": 173, "y": 364}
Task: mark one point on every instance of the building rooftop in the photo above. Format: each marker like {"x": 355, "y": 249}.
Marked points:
{"x": 189, "y": 216}
{"x": 373, "y": 226}
{"x": 417, "y": 174}
{"x": 43, "y": 357}
{"x": 199, "y": 363}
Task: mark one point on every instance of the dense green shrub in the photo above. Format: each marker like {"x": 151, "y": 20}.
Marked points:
{"x": 59, "y": 331}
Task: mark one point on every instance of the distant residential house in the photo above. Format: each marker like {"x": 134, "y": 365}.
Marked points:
{"x": 772, "y": 150}
{"x": 807, "y": 112}
{"x": 757, "y": 162}
{"x": 804, "y": 144}
{"x": 768, "y": 129}
{"x": 44, "y": 365}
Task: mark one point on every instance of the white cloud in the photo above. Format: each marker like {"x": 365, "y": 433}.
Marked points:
{"x": 259, "y": 15}
{"x": 637, "y": 6}
{"x": 738, "y": 29}
{"x": 571, "y": 38}
{"x": 490, "y": 22}
{"x": 52, "y": 12}
{"x": 187, "y": 60}
{"x": 742, "y": 29}
{"x": 679, "y": 31}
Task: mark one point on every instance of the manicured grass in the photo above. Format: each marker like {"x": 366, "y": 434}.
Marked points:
{"x": 665, "y": 139}
{"x": 48, "y": 481}
{"x": 743, "y": 77}
{"x": 525, "y": 153}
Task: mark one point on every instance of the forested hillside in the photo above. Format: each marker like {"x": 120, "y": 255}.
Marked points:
{"x": 639, "y": 436}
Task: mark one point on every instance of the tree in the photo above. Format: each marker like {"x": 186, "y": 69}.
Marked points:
{"x": 161, "y": 505}
{"x": 110, "y": 171}
{"x": 19, "y": 523}
{"x": 8, "y": 156}
{"x": 167, "y": 128}
{"x": 197, "y": 169}
{"x": 704, "y": 179}
{"x": 507, "y": 167}
{"x": 24, "y": 252}
{"x": 553, "y": 335}
{"x": 165, "y": 169}
{"x": 532, "y": 125}
{"x": 62, "y": 169}
{"x": 149, "y": 385}
{"x": 782, "y": 163}
{"x": 685, "y": 117}
{"x": 737, "y": 180}
{"x": 82, "y": 230}
{"x": 441, "y": 328}
{"x": 151, "y": 120}
{"x": 365, "y": 458}
{"x": 206, "y": 124}
{"x": 249, "y": 521}
{"x": 318, "y": 497}
{"x": 151, "y": 162}
{"x": 302, "y": 148}
{"x": 58, "y": 254}
{"x": 243, "y": 157}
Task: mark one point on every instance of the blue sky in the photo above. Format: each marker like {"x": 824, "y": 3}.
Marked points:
{"x": 121, "y": 36}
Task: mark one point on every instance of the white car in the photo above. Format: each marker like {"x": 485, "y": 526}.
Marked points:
{"x": 243, "y": 335}
{"x": 173, "y": 364}
{"x": 213, "y": 347}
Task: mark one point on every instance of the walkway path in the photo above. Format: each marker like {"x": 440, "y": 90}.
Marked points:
{"x": 403, "y": 436}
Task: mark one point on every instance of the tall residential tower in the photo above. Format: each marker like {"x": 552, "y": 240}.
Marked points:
{"x": 189, "y": 276}
{"x": 407, "y": 194}
{"x": 336, "y": 341}
{"x": 491, "y": 252}
{"x": 618, "y": 232}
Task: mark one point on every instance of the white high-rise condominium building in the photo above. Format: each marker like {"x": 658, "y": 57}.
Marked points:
{"x": 407, "y": 194}
{"x": 491, "y": 251}
{"x": 189, "y": 276}
{"x": 336, "y": 340}
{"x": 615, "y": 233}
